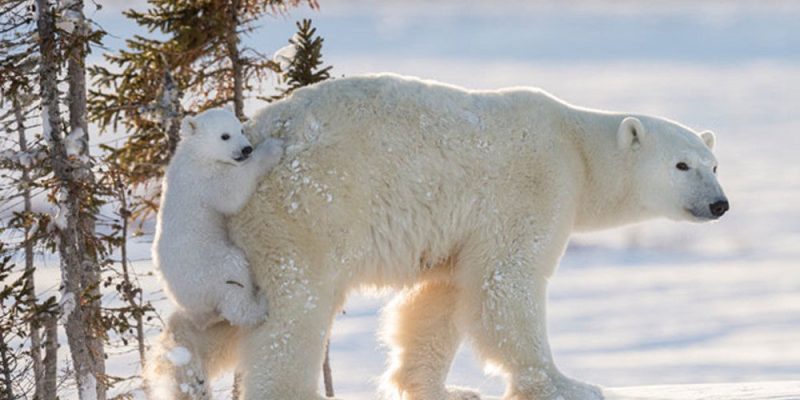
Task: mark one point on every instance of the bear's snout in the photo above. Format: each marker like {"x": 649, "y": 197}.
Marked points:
{"x": 247, "y": 150}
{"x": 719, "y": 207}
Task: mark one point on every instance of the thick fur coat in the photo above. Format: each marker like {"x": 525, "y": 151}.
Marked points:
{"x": 464, "y": 201}
{"x": 212, "y": 174}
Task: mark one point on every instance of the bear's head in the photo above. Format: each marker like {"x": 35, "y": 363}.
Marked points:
{"x": 675, "y": 171}
{"x": 216, "y": 134}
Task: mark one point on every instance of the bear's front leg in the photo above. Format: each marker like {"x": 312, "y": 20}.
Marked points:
{"x": 508, "y": 325}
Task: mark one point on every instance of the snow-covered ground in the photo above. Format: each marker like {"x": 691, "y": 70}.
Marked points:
{"x": 658, "y": 303}
{"x": 735, "y": 391}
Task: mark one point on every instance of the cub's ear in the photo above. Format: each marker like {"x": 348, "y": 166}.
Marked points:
{"x": 709, "y": 138}
{"x": 630, "y": 131}
{"x": 229, "y": 108}
{"x": 188, "y": 126}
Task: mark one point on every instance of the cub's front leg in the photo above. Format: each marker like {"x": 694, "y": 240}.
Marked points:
{"x": 239, "y": 183}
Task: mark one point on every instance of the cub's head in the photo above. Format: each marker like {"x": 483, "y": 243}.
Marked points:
{"x": 675, "y": 171}
{"x": 216, "y": 134}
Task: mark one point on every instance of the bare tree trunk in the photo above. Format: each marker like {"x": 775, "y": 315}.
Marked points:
{"x": 327, "y": 376}
{"x": 80, "y": 271}
{"x": 235, "y": 59}
{"x": 29, "y": 289}
{"x": 5, "y": 364}
{"x": 89, "y": 267}
{"x": 169, "y": 108}
{"x": 126, "y": 276}
{"x": 50, "y": 373}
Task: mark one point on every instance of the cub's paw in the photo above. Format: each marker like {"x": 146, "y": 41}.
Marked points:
{"x": 236, "y": 260}
{"x": 244, "y": 309}
{"x": 270, "y": 151}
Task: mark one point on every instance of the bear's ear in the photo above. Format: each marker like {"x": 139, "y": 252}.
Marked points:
{"x": 188, "y": 126}
{"x": 630, "y": 131}
{"x": 229, "y": 108}
{"x": 709, "y": 138}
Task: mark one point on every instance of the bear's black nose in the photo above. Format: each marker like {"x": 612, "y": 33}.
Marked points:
{"x": 718, "y": 208}
{"x": 247, "y": 150}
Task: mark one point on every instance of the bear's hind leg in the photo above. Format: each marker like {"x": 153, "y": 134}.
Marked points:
{"x": 284, "y": 355}
{"x": 422, "y": 332}
{"x": 185, "y": 358}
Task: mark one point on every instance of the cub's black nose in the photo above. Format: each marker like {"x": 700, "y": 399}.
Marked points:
{"x": 247, "y": 150}
{"x": 718, "y": 208}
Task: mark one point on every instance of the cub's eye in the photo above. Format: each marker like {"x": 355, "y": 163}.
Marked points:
{"x": 225, "y": 136}
{"x": 682, "y": 166}
{"x": 715, "y": 169}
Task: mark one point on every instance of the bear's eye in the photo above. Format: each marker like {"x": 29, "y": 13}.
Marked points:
{"x": 682, "y": 166}
{"x": 225, "y": 136}
{"x": 715, "y": 169}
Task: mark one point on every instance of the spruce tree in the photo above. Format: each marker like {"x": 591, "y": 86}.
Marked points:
{"x": 197, "y": 63}
{"x": 17, "y": 305}
{"x": 153, "y": 82}
{"x": 27, "y": 169}
{"x": 301, "y": 61}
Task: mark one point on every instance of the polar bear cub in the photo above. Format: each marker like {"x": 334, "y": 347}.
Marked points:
{"x": 213, "y": 173}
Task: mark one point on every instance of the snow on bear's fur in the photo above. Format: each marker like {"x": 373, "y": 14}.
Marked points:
{"x": 462, "y": 200}
{"x": 213, "y": 173}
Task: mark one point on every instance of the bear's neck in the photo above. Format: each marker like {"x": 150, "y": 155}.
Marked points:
{"x": 609, "y": 198}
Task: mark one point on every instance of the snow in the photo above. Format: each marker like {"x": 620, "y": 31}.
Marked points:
{"x": 179, "y": 356}
{"x": 735, "y": 391}
{"x": 88, "y": 387}
{"x": 63, "y": 212}
{"x": 7, "y": 156}
{"x": 69, "y": 20}
{"x": 45, "y": 115}
{"x": 285, "y": 56}
{"x": 67, "y": 305}
{"x": 24, "y": 158}
{"x": 74, "y": 142}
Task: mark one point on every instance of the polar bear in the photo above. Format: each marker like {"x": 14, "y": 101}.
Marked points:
{"x": 213, "y": 173}
{"x": 462, "y": 200}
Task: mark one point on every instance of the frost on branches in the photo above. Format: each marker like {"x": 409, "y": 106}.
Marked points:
{"x": 284, "y": 57}
{"x": 74, "y": 143}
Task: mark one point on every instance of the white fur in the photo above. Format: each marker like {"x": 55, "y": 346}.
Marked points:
{"x": 204, "y": 273}
{"x": 465, "y": 201}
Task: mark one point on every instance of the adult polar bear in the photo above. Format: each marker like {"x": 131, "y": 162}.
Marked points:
{"x": 464, "y": 200}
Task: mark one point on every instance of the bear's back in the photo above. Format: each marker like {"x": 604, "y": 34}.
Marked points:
{"x": 413, "y": 154}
